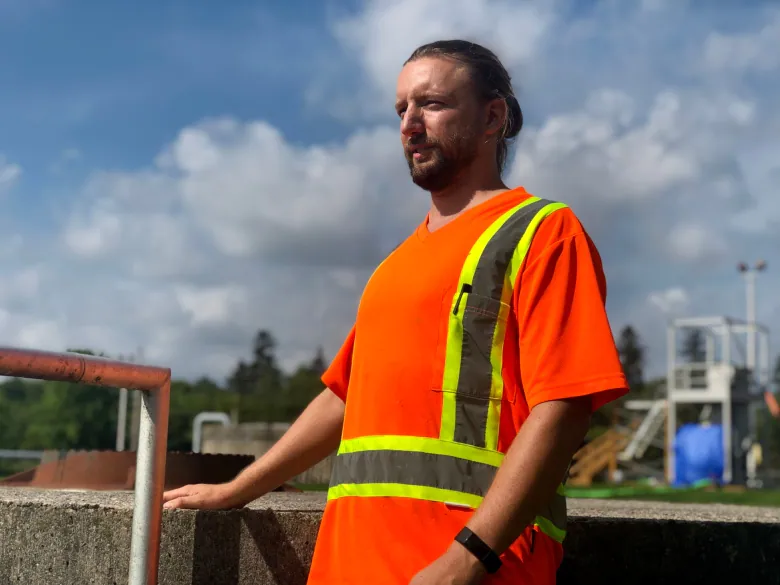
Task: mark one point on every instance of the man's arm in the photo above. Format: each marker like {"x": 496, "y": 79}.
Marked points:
{"x": 534, "y": 466}
{"x": 313, "y": 436}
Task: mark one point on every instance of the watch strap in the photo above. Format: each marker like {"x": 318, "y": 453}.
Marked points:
{"x": 476, "y": 546}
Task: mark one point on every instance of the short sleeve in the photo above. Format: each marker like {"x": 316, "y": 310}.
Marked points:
{"x": 566, "y": 345}
{"x": 336, "y": 377}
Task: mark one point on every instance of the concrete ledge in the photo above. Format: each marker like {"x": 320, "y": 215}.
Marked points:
{"x": 69, "y": 537}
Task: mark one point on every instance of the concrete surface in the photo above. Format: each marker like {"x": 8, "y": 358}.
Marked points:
{"x": 72, "y": 537}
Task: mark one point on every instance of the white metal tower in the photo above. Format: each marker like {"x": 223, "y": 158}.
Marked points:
{"x": 732, "y": 388}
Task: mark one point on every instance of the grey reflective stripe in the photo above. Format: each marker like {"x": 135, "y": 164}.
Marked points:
{"x": 413, "y": 467}
{"x": 555, "y": 511}
{"x": 480, "y": 317}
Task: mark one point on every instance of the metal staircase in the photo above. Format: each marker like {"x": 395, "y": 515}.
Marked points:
{"x": 646, "y": 433}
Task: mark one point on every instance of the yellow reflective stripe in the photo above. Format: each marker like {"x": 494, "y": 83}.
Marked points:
{"x": 497, "y": 354}
{"x": 455, "y": 327}
{"x": 400, "y": 490}
{"x": 525, "y": 242}
{"x": 431, "y": 494}
{"x": 422, "y": 444}
{"x": 550, "y": 529}
{"x": 451, "y": 374}
{"x": 497, "y": 379}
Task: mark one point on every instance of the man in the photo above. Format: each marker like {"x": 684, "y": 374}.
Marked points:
{"x": 480, "y": 349}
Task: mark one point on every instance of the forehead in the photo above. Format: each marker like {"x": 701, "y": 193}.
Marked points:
{"x": 432, "y": 75}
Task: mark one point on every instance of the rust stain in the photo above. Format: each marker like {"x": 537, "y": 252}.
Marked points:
{"x": 73, "y": 367}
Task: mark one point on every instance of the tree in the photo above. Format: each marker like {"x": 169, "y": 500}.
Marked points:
{"x": 632, "y": 356}
{"x": 693, "y": 347}
{"x": 318, "y": 364}
{"x": 260, "y": 382}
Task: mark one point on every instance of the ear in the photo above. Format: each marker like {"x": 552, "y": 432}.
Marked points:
{"x": 496, "y": 111}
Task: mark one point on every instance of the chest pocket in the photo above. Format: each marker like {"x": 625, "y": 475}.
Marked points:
{"x": 473, "y": 345}
{"x": 471, "y": 351}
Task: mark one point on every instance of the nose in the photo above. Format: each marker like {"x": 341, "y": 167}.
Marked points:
{"x": 412, "y": 122}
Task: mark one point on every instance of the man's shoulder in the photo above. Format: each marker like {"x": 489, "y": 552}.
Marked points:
{"x": 556, "y": 220}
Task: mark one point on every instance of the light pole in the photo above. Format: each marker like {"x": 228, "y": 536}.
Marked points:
{"x": 749, "y": 273}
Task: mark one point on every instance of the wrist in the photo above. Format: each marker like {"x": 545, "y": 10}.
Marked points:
{"x": 480, "y": 553}
{"x": 468, "y": 565}
{"x": 238, "y": 491}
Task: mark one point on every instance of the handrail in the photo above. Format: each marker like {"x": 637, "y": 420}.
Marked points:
{"x": 155, "y": 385}
{"x": 204, "y": 417}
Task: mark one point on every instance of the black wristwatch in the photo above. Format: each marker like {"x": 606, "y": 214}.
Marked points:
{"x": 476, "y": 546}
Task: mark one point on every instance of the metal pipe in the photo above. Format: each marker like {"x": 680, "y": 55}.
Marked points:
{"x": 149, "y": 485}
{"x": 20, "y": 454}
{"x": 76, "y": 367}
{"x": 197, "y": 426}
{"x": 155, "y": 384}
{"x": 750, "y": 313}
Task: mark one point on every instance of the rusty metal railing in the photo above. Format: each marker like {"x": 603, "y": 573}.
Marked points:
{"x": 155, "y": 386}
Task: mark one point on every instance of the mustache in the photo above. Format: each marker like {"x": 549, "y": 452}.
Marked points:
{"x": 420, "y": 141}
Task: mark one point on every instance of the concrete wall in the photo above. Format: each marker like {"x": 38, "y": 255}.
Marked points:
{"x": 75, "y": 538}
{"x": 255, "y": 439}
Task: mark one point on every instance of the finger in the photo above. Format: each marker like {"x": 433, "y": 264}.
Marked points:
{"x": 177, "y": 493}
{"x": 181, "y": 502}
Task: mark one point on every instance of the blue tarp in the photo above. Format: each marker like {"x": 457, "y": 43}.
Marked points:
{"x": 698, "y": 453}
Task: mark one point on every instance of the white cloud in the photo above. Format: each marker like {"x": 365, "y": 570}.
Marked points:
{"x": 694, "y": 242}
{"x": 9, "y": 173}
{"x": 243, "y": 189}
{"x": 385, "y": 32}
{"x": 757, "y": 51}
{"x": 611, "y": 154}
{"x": 232, "y": 226}
{"x": 671, "y": 302}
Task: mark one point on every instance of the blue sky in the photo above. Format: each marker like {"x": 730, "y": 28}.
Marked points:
{"x": 175, "y": 175}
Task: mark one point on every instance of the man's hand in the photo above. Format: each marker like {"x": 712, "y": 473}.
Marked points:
{"x": 313, "y": 436}
{"x": 457, "y": 566}
{"x": 220, "y": 496}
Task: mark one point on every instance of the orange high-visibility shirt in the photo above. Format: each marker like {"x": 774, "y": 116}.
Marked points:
{"x": 389, "y": 371}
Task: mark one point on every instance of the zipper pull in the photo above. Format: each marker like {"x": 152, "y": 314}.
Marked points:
{"x": 466, "y": 288}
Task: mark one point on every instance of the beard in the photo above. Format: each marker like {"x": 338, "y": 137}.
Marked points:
{"x": 443, "y": 161}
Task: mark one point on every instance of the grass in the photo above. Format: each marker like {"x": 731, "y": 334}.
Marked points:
{"x": 697, "y": 495}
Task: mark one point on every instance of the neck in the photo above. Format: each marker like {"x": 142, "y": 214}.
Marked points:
{"x": 465, "y": 192}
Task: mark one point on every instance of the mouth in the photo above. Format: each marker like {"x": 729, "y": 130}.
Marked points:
{"x": 419, "y": 150}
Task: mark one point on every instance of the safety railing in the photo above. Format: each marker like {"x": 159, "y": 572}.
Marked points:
{"x": 155, "y": 385}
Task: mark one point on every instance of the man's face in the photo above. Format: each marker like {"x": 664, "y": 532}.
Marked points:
{"x": 440, "y": 124}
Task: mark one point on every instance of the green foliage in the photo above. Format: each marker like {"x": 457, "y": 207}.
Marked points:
{"x": 632, "y": 356}
{"x": 39, "y": 415}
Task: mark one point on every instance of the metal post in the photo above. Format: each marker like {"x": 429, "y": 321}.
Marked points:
{"x": 121, "y": 423}
{"x": 750, "y": 306}
{"x": 726, "y": 411}
{"x": 149, "y": 487}
{"x": 671, "y": 405}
